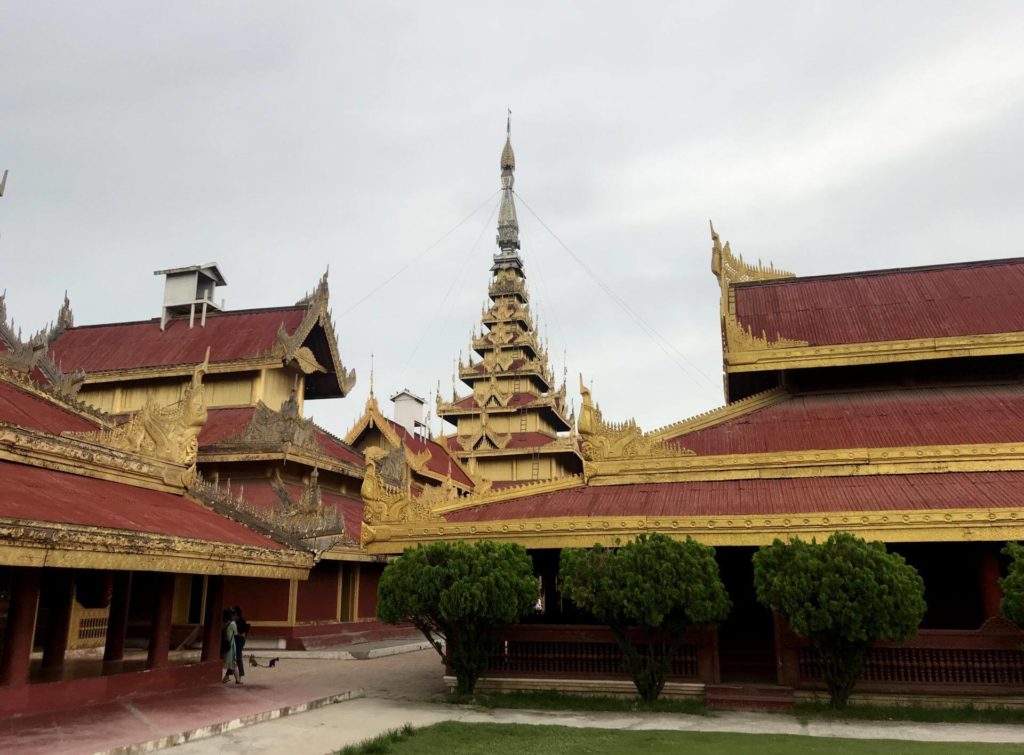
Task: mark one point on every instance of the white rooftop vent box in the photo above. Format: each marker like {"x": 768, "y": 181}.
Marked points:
{"x": 188, "y": 290}
{"x": 409, "y": 412}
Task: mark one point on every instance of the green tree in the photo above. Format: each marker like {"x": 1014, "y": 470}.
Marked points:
{"x": 460, "y": 596}
{"x": 844, "y": 595}
{"x": 662, "y": 586}
{"x": 1013, "y": 584}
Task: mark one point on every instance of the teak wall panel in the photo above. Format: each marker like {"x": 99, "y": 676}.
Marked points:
{"x": 318, "y": 596}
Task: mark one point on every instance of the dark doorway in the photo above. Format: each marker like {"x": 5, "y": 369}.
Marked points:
{"x": 746, "y": 639}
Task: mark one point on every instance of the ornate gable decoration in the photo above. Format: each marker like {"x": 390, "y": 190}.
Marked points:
{"x": 289, "y": 348}
{"x": 27, "y": 356}
{"x": 169, "y": 433}
{"x": 293, "y": 522}
{"x": 286, "y": 427}
{"x": 387, "y": 503}
{"x": 604, "y": 441}
{"x": 491, "y": 393}
{"x": 384, "y": 500}
{"x": 731, "y": 269}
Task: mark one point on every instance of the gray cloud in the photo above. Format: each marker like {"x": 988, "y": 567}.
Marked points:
{"x": 280, "y": 138}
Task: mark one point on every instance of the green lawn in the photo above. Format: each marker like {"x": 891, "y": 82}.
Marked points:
{"x": 451, "y": 738}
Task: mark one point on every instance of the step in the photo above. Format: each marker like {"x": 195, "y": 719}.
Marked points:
{"x": 749, "y": 697}
{"x": 352, "y": 638}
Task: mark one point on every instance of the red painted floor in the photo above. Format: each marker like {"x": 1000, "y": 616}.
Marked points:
{"x": 139, "y": 719}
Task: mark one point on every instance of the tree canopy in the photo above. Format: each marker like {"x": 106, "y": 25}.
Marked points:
{"x": 459, "y": 595}
{"x": 661, "y": 585}
{"x": 844, "y": 595}
{"x": 1013, "y": 584}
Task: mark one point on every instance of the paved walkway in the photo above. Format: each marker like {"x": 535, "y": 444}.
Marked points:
{"x": 293, "y": 682}
{"x": 327, "y": 729}
{"x": 395, "y": 688}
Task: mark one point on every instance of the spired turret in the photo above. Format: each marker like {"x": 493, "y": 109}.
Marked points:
{"x": 513, "y": 425}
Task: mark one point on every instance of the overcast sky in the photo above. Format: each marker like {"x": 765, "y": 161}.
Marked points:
{"x": 278, "y": 139}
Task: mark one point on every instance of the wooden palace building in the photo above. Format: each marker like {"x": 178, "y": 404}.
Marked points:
{"x": 108, "y": 536}
{"x": 154, "y": 470}
{"x": 886, "y": 403}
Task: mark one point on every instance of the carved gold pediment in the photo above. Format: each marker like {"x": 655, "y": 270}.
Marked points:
{"x": 491, "y": 393}
{"x": 169, "y": 433}
{"x": 730, "y": 269}
{"x": 285, "y": 427}
{"x": 603, "y": 441}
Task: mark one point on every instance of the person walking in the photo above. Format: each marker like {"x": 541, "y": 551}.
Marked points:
{"x": 227, "y": 647}
{"x": 242, "y": 627}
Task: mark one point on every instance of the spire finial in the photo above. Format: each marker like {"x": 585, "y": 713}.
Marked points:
{"x": 508, "y": 223}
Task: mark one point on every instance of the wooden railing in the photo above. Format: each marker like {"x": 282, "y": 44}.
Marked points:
{"x": 989, "y": 659}
{"x": 571, "y": 651}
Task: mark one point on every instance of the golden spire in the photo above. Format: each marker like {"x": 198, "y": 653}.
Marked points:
{"x": 508, "y": 223}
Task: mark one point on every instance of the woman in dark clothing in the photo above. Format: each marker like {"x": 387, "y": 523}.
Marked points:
{"x": 228, "y": 635}
{"x": 243, "y": 630}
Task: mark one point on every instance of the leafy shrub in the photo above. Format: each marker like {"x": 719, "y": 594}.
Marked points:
{"x": 460, "y": 596}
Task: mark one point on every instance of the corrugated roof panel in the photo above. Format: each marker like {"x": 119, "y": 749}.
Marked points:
{"x": 37, "y": 494}
{"x": 19, "y": 407}
{"x": 875, "y": 419}
{"x": 123, "y": 346}
{"x": 951, "y": 490}
{"x": 954, "y": 300}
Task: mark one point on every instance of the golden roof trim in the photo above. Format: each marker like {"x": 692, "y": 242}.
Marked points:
{"x": 896, "y": 525}
{"x": 87, "y": 458}
{"x": 605, "y": 441}
{"x": 844, "y": 462}
{"x": 512, "y": 492}
{"x": 731, "y": 269}
{"x": 59, "y": 545}
{"x": 721, "y": 414}
{"x": 303, "y": 524}
{"x": 875, "y": 352}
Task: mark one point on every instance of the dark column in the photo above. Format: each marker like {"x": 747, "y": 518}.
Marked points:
{"x": 212, "y": 617}
{"x": 991, "y": 592}
{"x": 160, "y": 632}
{"x": 117, "y": 622}
{"x": 61, "y": 585}
{"x": 21, "y": 624}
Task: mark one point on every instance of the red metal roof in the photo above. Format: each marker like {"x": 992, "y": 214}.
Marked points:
{"x": 517, "y": 400}
{"x": 762, "y": 497}
{"x": 875, "y": 419}
{"x": 20, "y": 407}
{"x": 970, "y": 298}
{"x": 224, "y": 423}
{"x": 529, "y": 440}
{"x": 440, "y": 462}
{"x": 43, "y": 495}
{"x": 124, "y": 346}
{"x": 337, "y": 449}
{"x": 261, "y": 493}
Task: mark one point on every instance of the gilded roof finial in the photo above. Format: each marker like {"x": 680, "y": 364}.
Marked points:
{"x": 508, "y": 223}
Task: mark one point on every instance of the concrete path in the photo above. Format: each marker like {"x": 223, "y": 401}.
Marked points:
{"x": 394, "y": 688}
{"x": 151, "y": 721}
{"x": 327, "y": 729}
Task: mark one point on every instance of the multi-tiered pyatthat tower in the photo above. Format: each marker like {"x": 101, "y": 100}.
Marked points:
{"x": 513, "y": 426}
